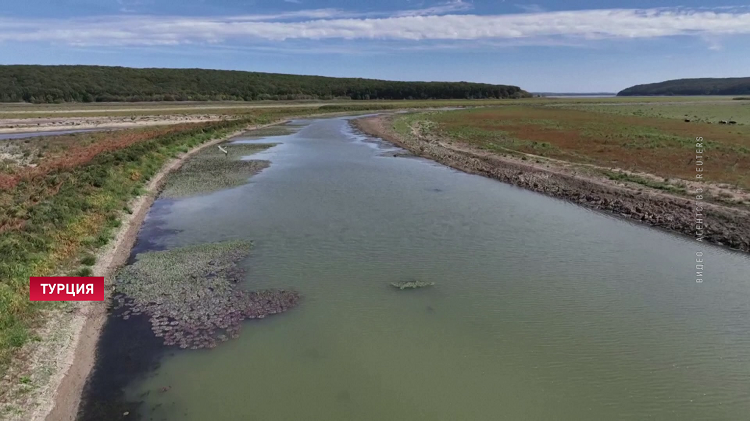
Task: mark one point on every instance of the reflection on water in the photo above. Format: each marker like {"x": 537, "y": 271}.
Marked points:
{"x": 541, "y": 310}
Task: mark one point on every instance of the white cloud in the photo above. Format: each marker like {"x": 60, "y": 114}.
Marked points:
{"x": 321, "y": 24}
{"x": 440, "y": 9}
{"x": 530, "y": 8}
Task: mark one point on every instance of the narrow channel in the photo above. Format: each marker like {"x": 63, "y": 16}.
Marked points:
{"x": 540, "y": 309}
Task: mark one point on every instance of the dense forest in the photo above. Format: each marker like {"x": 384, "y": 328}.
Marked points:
{"x": 52, "y": 84}
{"x": 706, "y": 86}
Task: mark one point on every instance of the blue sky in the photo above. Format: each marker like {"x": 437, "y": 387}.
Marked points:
{"x": 560, "y": 46}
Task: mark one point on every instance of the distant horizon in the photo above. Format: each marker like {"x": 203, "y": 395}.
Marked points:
{"x": 542, "y": 46}
{"x": 547, "y": 93}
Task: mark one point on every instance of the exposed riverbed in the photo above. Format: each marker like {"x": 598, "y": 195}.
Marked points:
{"x": 540, "y": 309}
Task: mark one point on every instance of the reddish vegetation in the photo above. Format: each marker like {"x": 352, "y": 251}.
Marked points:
{"x": 658, "y": 146}
{"x": 15, "y": 224}
{"x": 74, "y": 152}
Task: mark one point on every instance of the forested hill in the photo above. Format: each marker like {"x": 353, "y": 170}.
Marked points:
{"x": 46, "y": 84}
{"x": 706, "y": 86}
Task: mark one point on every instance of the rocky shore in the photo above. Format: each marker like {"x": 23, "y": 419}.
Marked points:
{"x": 722, "y": 225}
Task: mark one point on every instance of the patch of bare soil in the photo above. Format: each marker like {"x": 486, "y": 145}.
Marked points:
{"x": 723, "y": 225}
{"x": 26, "y": 125}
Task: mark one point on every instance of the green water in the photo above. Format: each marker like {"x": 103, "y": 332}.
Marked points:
{"x": 541, "y": 310}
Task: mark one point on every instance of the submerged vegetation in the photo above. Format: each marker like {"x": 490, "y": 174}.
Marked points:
{"x": 190, "y": 294}
{"x": 50, "y": 84}
{"x": 411, "y": 284}
{"x": 212, "y": 170}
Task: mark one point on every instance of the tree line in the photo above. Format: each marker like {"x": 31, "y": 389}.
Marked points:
{"x": 705, "y": 86}
{"x": 56, "y": 84}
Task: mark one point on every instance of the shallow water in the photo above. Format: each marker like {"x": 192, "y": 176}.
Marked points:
{"x": 541, "y": 309}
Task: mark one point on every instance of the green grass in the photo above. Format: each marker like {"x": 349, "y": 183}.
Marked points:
{"x": 665, "y": 186}
{"x": 703, "y": 112}
{"x": 84, "y": 272}
{"x": 599, "y": 134}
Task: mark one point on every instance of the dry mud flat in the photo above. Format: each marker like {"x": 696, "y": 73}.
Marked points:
{"x": 24, "y": 125}
{"x": 723, "y": 225}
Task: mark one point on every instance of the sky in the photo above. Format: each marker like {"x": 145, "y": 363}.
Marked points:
{"x": 541, "y": 46}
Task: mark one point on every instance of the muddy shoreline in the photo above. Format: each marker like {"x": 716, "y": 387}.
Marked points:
{"x": 723, "y": 226}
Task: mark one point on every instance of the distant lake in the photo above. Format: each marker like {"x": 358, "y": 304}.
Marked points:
{"x": 581, "y": 96}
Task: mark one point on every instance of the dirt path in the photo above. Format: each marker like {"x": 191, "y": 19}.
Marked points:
{"x": 31, "y": 125}
{"x": 130, "y": 108}
{"x": 67, "y": 352}
{"x": 723, "y": 225}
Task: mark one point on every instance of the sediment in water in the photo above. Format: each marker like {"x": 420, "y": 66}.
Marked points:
{"x": 411, "y": 284}
{"x": 153, "y": 230}
{"x": 127, "y": 349}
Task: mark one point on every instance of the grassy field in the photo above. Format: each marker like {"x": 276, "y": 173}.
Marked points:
{"x": 14, "y": 111}
{"x": 651, "y": 138}
{"x": 703, "y": 112}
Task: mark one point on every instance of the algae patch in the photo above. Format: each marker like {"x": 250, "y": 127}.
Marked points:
{"x": 191, "y": 296}
{"x": 211, "y": 170}
{"x": 411, "y": 284}
{"x": 271, "y": 131}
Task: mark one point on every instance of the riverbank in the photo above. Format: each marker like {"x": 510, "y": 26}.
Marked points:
{"x": 725, "y": 225}
{"x": 66, "y": 350}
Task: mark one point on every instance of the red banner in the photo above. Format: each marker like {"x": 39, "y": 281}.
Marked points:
{"x": 66, "y": 288}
